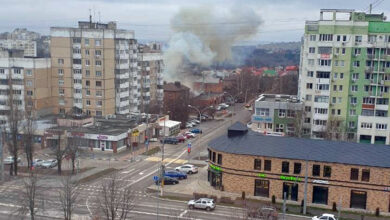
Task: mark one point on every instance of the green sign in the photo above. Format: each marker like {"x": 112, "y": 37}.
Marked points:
{"x": 290, "y": 178}
{"x": 261, "y": 175}
{"x": 215, "y": 167}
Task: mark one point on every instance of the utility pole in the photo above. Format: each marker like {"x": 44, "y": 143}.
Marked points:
{"x": 339, "y": 209}
{"x": 162, "y": 159}
{"x": 370, "y": 8}
{"x": 305, "y": 188}
{"x": 284, "y": 205}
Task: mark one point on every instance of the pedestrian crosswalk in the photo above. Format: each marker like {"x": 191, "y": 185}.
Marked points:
{"x": 166, "y": 160}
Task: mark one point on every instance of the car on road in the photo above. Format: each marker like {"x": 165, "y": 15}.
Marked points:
{"x": 175, "y": 174}
{"x": 10, "y": 160}
{"x": 196, "y": 131}
{"x": 189, "y": 135}
{"x": 187, "y": 168}
{"x": 37, "y": 162}
{"x": 202, "y": 203}
{"x": 189, "y": 125}
{"x": 181, "y": 138}
{"x": 169, "y": 140}
{"x": 167, "y": 181}
{"x": 324, "y": 216}
{"x": 49, "y": 163}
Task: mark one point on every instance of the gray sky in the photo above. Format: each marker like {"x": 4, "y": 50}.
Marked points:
{"x": 283, "y": 19}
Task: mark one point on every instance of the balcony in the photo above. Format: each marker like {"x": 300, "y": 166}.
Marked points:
{"x": 77, "y": 86}
{"x": 77, "y": 66}
{"x": 122, "y": 56}
{"x": 123, "y": 94}
{"x": 77, "y": 95}
{"x": 147, "y": 68}
{"x": 122, "y": 46}
{"x": 124, "y": 85}
{"x": 122, "y": 66}
{"x": 76, "y": 45}
{"x": 77, "y": 76}
{"x": 146, "y": 94}
{"x": 134, "y": 65}
{"x": 77, "y": 56}
{"x": 382, "y": 107}
{"x": 146, "y": 85}
{"x": 78, "y": 105}
{"x": 123, "y": 76}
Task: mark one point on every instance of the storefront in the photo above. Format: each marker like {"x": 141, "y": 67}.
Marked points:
{"x": 320, "y": 195}
{"x": 358, "y": 199}
{"x": 262, "y": 188}
{"x": 291, "y": 191}
{"x": 215, "y": 177}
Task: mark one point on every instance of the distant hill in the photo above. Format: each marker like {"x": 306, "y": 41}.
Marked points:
{"x": 281, "y": 46}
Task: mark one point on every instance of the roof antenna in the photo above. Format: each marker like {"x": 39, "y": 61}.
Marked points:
{"x": 90, "y": 19}
{"x": 370, "y": 8}
{"x": 99, "y": 15}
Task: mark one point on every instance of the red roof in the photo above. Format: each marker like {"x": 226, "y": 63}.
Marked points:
{"x": 291, "y": 68}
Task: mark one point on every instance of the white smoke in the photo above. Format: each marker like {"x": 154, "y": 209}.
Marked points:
{"x": 205, "y": 35}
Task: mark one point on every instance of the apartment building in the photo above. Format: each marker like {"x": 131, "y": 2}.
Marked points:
{"x": 344, "y": 77}
{"x": 93, "y": 67}
{"x": 30, "y": 80}
{"x": 277, "y": 114}
{"x": 263, "y": 167}
{"x": 28, "y": 46}
{"x": 151, "y": 67}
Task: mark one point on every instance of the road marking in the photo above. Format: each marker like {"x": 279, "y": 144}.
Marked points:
{"x": 141, "y": 173}
{"x": 183, "y": 213}
{"x": 126, "y": 172}
{"x": 167, "y": 160}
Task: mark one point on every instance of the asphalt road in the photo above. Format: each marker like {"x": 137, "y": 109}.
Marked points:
{"x": 138, "y": 176}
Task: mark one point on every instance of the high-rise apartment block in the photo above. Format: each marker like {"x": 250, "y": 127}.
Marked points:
{"x": 345, "y": 76}
{"x": 151, "y": 67}
{"x": 28, "y": 46}
{"x": 93, "y": 67}
{"x": 30, "y": 81}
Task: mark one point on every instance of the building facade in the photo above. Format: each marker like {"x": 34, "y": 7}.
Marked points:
{"x": 277, "y": 114}
{"x": 344, "y": 77}
{"x": 176, "y": 101}
{"x": 30, "y": 80}
{"x": 151, "y": 66}
{"x": 93, "y": 67}
{"x": 265, "y": 166}
{"x": 28, "y": 46}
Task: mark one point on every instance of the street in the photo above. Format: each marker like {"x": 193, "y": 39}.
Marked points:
{"x": 137, "y": 175}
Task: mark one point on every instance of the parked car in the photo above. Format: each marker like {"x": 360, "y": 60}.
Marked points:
{"x": 324, "y": 217}
{"x": 187, "y": 168}
{"x": 218, "y": 108}
{"x": 167, "y": 181}
{"x": 37, "y": 162}
{"x": 189, "y": 125}
{"x": 175, "y": 174}
{"x": 49, "y": 164}
{"x": 189, "y": 135}
{"x": 202, "y": 203}
{"x": 10, "y": 160}
{"x": 153, "y": 140}
{"x": 196, "y": 131}
{"x": 195, "y": 121}
{"x": 169, "y": 140}
{"x": 181, "y": 138}
{"x": 224, "y": 105}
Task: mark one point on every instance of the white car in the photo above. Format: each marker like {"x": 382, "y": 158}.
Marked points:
{"x": 224, "y": 105}
{"x": 324, "y": 217}
{"x": 202, "y": 203}
{"x": 187, "y": 168}
{"x": 190, "y": 134}
{"x": 195, "y": 121}
{"x": 49, "y": 164}
{"x": 189, "y": 125}
{"x": 37, "y": 162}
{"x": 10, "y": 160}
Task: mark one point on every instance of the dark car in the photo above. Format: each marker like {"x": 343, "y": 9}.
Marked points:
{"x": 170, "y": 141}
{"x": 181, "y": 138}
{"x": 175, "y": 174}
{"x": 167, "y": 181}
{"x": 196, "y": 131}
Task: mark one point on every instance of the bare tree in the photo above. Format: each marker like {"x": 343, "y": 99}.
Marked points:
{"x": 68, "y": 196}
{"x": 116, "y": 200}
{"x": 28, "y": 135}
{"x": 14, "y": 118}
{"x": 73, "y": 149}
{"x": 29, "y": 196}
{"x": 59, "y": 149}
{"x": 335, "y": 129}
{"x": 299, "y": 121}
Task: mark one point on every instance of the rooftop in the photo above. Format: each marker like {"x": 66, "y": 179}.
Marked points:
{"x": 256, "y": 144}
{"x": 174, "y": 87}
{"x": 277, "y": 97}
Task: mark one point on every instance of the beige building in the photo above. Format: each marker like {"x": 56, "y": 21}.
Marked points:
{"x": 30, "y": 82}
{"x": 94, "y": 68}
{"x": 151, "y": 67}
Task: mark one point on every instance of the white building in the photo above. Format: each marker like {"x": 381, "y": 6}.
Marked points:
{"x": 28, "y": 46}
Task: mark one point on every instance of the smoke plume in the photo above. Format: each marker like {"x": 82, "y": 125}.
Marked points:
{"x": 205, "y": 35}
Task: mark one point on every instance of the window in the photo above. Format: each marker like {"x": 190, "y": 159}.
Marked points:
{"x": 327, "y": 171}
{"x": 86, "y": 42}
{"x": 88, "y": 102}
{"x": 310, "y": 73}
{"x": 214, "y": 155}
{"x": 309, "y": 85}
{"x": 29, "y": 93}
{"x": 99, "y": 93}
{"x": 257, "y": 165}
{"x": 307, "y": 120}
{"x": 354, "y": 174}
{"x": 219, "y": 160}
{"x": 322, "y": 87}
{"x": 380, "y": 126}
{"x": 87, "y": 73}
{"x": 358, "y": 199}
{"x": 60, "y": 82}
{"x": 29, "y": 72}
{"x": 60, "y": 61}
{"x": 344, "y": 38}
{"x": 99, "y": 103}
{"x": 316, "y": 170}
{"x": 267, "y": 165}
{"x": 87, "y": 83}
{"x": 98, "y": 52}
{"x": 323, "y": 75}
{"x": 338, "y": 38}
{"x": 60, "y": 71}
{"x": 262, "y": 188}
{"x": 356, "y": 63}
{"x": 312, "y": 49}
{"x": 334, "y": 87}
{"x": 87, "y": 63}
{"x": 307, "y": 108}
{"x": 282, "y": 113}
{"x": 310, "y": 62}
{"x": 285, "y": 167}
{"x": 358, "y": 39}
{"x": 297, "y": 168}
{"x": 88, "y": 92}
{"x": 354, "y": 88}
{"x": 99, "y": 113}
{"x": 352, "y": 112}
{"x": 366, "y": 125}
{"x": 312, "y": 37}
{"x": 322, "y": 62}
{"x": 353, "y": 100}
{"x": 321, "y": 110}
{"x": 76, "y": 51}
{"x": 262, "y": 111}
{"x": 342, "y": 51}
{"x": 340, "y": 87}
{"x": 357, "y": 51}
{"x": 76, "y": 40}
{"x": 98, "y": 73}
{"x": 326, "y": 37}
{"x": 290, "y": 113}
{"x": 98, "y": 62}
{"x": 308, "y": 97}
{"x": 98, "y": 83}
{"x": 61, "y": 91}
{"x": 355, "y": 76}
{"x": 371, "y": 38}
{"x": 86, "y": 52}
{"x": 320, "y": 195}
{"x": 341, "y": 75}
{"x": 2, "y": 71}
{"x": 97, "y": 42}
{"x": 366, "y": 175}
{"x": 351, "y": 124}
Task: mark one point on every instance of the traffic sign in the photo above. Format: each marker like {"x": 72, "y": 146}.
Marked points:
{"x": 155, "y": 178}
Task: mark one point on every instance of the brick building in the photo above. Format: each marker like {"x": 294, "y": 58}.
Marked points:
{"x": 176, "y": 101}
{"x": 209, "y": 85}
{"x": 266, "y": 166}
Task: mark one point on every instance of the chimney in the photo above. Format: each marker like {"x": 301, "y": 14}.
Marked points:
{"x": 177, "y": 84}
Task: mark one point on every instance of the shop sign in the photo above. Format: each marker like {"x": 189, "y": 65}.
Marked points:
{"x": 291, "y": 178}
{"x": 262, "y": 175}
{"x": 102, "y": 137}
{"x": 321, "y": 181}
{"x": 217, "y": 168}
{"x": 261, "y": 119}
{"x": 135, "y": 133}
